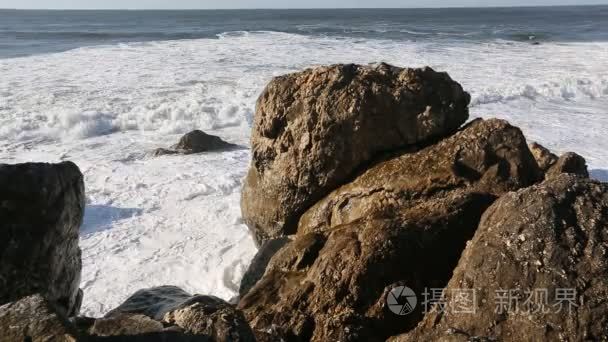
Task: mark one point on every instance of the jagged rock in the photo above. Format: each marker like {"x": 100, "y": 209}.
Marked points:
{"x": 404, "y": 221}
{"x": 257, "y": 268}
{"x": 211, "y": 316}
{"x": 204, "y": 316}
{"x": 550, "y": 237}
{"x": 313, "y": 130}
{"x": 568, "y": 163}
{"x": 125, "y": 324}
{"x": 196, "y": 142}
{"x": 332, "y": 286}
{"x": 487, "y": 157}
{"x": 41, "y": 209}
{"x": 35, "y": 319}
{"x": 544, "y": 158}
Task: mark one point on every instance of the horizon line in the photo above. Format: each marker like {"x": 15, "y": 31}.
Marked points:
{"x": 289, "y": 8}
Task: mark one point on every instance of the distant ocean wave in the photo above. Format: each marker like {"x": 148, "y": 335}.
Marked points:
{"x": 568, "y": 90}
{"x": 102, "y": 35}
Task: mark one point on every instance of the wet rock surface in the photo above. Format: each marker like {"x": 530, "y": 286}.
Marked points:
{"x": 153, "y": 302}
{"x": 315, "y": 129}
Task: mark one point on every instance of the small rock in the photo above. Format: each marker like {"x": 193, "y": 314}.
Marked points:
{"x": 196, "y": 142}
{"x": 544, "y": 158}
{"x": 569, "y": 163}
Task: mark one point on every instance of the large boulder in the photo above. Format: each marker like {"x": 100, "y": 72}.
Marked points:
{"x": 35, "y": 319}
{"x": 405, "y": 221}
{"x": 538, "y": 266}
{"x": 486, "y": 157}
{"x": 41, "y": 209}
{"x": 333, "y": 286}
{"x": 313, "y": 130}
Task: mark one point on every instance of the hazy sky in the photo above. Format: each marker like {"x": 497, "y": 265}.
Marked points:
{"x": 180, "y": 4}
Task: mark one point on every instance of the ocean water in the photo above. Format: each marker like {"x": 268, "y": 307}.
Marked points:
{"x": 104, "y": 88}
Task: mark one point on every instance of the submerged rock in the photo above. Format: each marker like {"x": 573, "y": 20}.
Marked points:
{"x": 315, "y": 129}
{"x": 41, "y": 209}
{"x": 196, "y": 142}
{"x": 538, "y": 264}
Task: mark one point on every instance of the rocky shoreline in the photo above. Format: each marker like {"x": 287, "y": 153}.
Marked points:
{"x": 366, "y": 182}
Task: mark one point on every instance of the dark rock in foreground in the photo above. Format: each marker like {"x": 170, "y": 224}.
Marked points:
{"x": 211, "y": 316}
{"x": 315, "y": 129}
{"x": 150, "y": 310}
{"x": 34, "y": 319}
{"x": 125, "y": 325}
{"x": 260, "y": 261}
{"x": 196, "y": 142}
{"x": 41, "y": 209}
{"x": 548, "y": 241}
{"x": 333, "y": 286}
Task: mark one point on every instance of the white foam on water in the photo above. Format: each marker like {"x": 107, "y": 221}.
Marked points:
{"x": 176, "y": 219}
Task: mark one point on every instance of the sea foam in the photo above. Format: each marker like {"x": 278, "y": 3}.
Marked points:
{"x": 176, "y": 219}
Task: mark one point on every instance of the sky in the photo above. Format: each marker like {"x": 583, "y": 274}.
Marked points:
{"x": 211, "y": 4}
